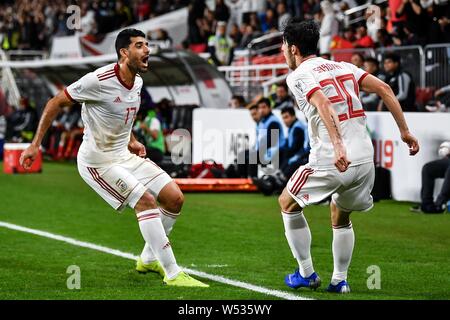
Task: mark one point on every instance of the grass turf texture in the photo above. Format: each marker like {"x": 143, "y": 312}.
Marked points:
{"x": 239, "y": 236}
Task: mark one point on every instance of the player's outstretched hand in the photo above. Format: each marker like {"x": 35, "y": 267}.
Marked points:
{"x": 28, "y": 156}
{"x": 341, "y": 161}
{"x": 137, "y": 148}
{"x": 412, "y": 143}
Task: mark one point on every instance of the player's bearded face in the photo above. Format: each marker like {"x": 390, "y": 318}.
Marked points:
{"x": 138, "y": 55}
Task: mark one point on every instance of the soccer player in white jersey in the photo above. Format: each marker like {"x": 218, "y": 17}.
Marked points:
{"x": 341, "y": 159}
{"x": 112, "y": 162}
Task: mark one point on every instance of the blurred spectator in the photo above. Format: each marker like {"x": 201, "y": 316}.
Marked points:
{"x": 65, "y": 134}
{"x": 253, "y": 20}
{"x": 370, "y": 101}
{"x": 235, "y": 34}
{"x": 442, "y": 102}
{"x": 373, "y": 17}
{"x": 220, "y": 46}
{"x": 196, "y": 12}
{"x": 248, "y": 35}
{"x": 414, "y": 18}
{"x": 163, "y": 36}
{"x": 270, "y": 128}
{"x": 269, "y": 21}
{"x": 294, "y": 7}
{"x": 400, "y": 81}
{"x": 143, "y": 10}
{"x": 22, "y": 123}
{"x": 329, "y": 26}
{"x": 283, "y": 15}
{"x": 237, "y": 102}
{"x": 221, "y": 11}
{"x": 88, "y": 25}
{"x": 150, "y": 129}
{"x": 384, "y": 39}
{"x": 430, "y": 172}
{"x": 363, "y": 40}
{"x": 296, "y": 149}
{"x": 357, "y": 59}
{"x": 282, "y": 97}
{"x": 345, "y": 42}
{"x": 165, "y": 111}
{"x": 397, "y": 20}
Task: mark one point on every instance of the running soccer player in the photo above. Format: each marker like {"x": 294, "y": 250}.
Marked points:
{"x": 111, "y": 161}
{"x": 341, "y": 159}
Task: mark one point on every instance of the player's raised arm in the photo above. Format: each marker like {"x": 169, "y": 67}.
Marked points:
{"x": 373, "y": 84}
{"x": 331, "y": 121}
{"x": 49, "y": 114}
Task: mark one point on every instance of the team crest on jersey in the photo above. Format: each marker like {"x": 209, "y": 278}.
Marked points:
{"x": 122, "y": 185}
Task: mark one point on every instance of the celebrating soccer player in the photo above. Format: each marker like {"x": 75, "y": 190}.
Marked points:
{"x": 341, "y": 158}
{"x": 111, "y": 161}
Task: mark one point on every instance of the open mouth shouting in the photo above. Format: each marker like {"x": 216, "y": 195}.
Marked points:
{"x": 144, "y": 62}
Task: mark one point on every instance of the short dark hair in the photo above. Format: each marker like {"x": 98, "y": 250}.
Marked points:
{"x": 265, "y": 100}
{"x": 359, "y": 55}
{"x": 284, "y": 85}
{"x": 239, "y": 98}
{"x": 372, "y": 60}
{"x": 123, "y": 39}
{"x": 253, "y": 106}
{"x": 289, "y": 110}
{"x": 392, "y": 56}
{"x": 303, "y": 34}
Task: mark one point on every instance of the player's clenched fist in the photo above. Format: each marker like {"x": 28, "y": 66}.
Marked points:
{"x": 341, "y": 161}
{"x": 28, "y": 156}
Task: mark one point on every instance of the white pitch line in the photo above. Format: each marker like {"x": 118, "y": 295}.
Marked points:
{"x": 216, "y": 278}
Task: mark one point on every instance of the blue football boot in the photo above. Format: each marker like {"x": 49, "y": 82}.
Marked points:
{"x": 341, "y": 287}
{"x": 295, "y": 280}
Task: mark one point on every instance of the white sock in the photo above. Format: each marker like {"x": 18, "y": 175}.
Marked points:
{"x": 147, "y": 255}
{"x": 343, "y": 243}
{"x": 168, "y": 219}
{"x": 298, "y": 236}
{"x": 154, "y": 235}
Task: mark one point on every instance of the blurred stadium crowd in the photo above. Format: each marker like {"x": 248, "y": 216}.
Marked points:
{"x": 225, "y": 28}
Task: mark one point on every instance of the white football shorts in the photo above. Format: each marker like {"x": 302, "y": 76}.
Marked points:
{"x": 124, "y": 182}
{"x": 350, "y": 190}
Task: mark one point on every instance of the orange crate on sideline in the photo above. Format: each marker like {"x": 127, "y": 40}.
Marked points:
{"x": 11, "y": 156}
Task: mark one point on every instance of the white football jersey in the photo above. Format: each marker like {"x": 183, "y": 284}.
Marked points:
{"x": 339, "y": 81}
{"x": 109, "y": 108}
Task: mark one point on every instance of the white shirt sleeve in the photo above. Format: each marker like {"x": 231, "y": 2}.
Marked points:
{"x": 359, "y": 73}
{"x": 85, "y": 89}
{"x": 302, "y": 85}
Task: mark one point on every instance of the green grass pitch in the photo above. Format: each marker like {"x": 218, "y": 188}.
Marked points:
{"x": 238, "y": 236}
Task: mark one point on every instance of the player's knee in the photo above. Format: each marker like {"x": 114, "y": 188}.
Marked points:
{"x": 147, "y": 201}
{"x": 176, "y": 202}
